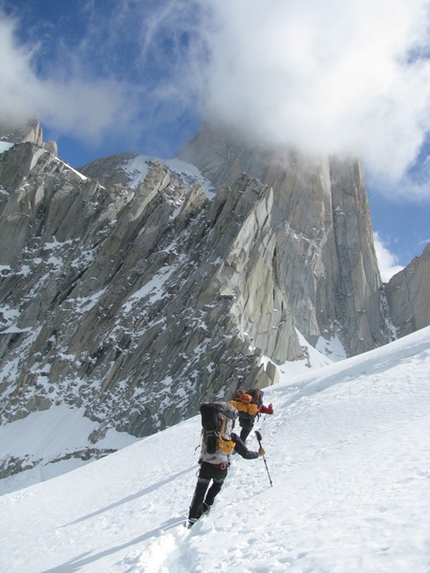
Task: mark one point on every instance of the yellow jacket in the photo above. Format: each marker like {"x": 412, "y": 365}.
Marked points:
{"x": 251, "y": 409}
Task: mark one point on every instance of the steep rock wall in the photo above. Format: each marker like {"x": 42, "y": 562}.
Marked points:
{"x": 408, "y": 295}
{"x": 322, "y": 223}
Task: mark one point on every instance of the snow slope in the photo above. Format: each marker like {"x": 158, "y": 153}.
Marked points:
{"x": 52, "y": 442}
{"x": 348, "y": 452}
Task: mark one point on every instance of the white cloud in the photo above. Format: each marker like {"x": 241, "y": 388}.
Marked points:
{"x": 131, "y": 73}
{"x": 332, "y": 76}
{"x": 69, "y": 103}
{"x": 16, "y": 75}
{"x": 387, "y": 261}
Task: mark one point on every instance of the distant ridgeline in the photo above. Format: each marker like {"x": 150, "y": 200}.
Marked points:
{"x": 138, "y": 295}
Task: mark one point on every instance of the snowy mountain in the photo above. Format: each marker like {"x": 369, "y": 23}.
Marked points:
{"x": 133, "y": 290}
{"x": 348, "y": 452}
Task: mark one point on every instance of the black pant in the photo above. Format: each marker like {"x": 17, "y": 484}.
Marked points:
{"x": 246, "y": 429}
{"x": 207, "y": 473}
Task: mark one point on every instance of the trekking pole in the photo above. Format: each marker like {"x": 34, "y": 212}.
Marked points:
{"x": 259, "y": 438}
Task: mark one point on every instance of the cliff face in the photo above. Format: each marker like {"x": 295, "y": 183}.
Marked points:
{"x": 408, "y": 295}
{"x": 321, "y": 219}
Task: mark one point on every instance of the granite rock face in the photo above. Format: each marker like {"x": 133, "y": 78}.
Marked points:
{"x": 137, "y": 304}
{"x": 408, "y": 295}
{"x": 324, "y": 240}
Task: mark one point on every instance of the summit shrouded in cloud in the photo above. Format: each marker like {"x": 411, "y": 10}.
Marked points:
{"x": 332, "y": 77}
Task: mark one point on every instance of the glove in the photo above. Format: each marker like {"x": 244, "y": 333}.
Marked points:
{"x": 261, "y": 451}
{"x": 267, "y": 409}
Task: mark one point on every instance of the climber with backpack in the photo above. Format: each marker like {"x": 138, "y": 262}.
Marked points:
{"x": 218, "y": 443}
{"x": 250, "y": 406}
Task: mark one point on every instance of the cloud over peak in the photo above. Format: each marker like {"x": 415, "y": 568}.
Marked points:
{"x": 333, "y": 76}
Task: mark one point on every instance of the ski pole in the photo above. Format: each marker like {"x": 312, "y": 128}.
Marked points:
{"x": 264, "y": 419}
{"x": 257, "y": 433}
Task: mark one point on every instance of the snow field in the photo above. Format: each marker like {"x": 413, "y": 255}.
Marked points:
{"x": 348, "y": 452}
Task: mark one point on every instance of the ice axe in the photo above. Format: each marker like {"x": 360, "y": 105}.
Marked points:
{"x": 259, "y": 438}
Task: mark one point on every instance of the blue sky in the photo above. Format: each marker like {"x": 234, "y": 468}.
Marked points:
{"x": 107, "y": 76}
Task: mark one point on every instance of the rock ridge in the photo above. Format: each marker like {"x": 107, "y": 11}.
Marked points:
{"x": 136, "y": 304}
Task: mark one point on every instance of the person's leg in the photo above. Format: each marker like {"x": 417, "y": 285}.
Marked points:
{"x": 197, "y": 501}
{"x": 206, "y": 474}
{"x": 244, "y": 433}
{"x": 218, "y": 477}
{"x": 213, "y": 492}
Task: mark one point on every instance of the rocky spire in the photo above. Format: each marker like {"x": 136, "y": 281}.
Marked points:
{"x": 30, "y": 131}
